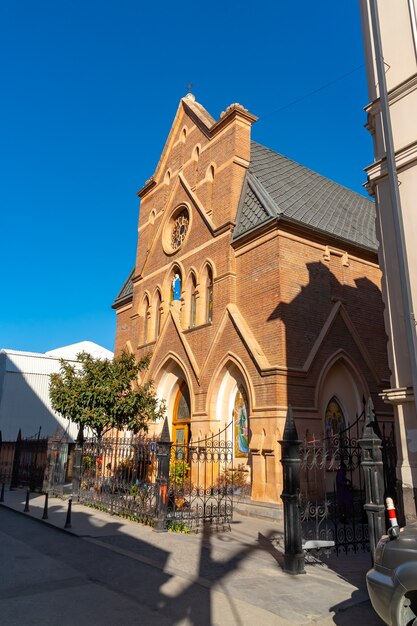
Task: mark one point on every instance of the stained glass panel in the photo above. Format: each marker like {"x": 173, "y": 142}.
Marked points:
{"x": 241, "y": 423}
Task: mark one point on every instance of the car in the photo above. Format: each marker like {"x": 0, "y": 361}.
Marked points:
{"x": 392, "y": 582}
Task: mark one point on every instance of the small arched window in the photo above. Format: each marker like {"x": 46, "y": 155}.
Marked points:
{"x": 209, "y": 295}
{"x": 210, "y": 173}
{"x": 176, "y": 285}
{"x": 193, "y": 303}
{"x": 145, "y": 319}
{"x": 158, "y": 315}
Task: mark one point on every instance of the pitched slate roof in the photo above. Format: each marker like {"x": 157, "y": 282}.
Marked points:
{"x": 126, "y": 292}
{"x": 278, "y": 188}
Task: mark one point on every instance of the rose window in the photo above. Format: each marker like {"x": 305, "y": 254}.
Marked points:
{"x": 179, "y": 230}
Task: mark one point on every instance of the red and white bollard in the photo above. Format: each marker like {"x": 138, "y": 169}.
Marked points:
{"x": 394, "y": 529}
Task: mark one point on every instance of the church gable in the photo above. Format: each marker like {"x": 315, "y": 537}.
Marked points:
{"x": 230, "y": 340}
{"x": 174, "y": 343}
{"x": 208, "y": 157}
{"x": 181, "y": 227}
{"x": 246, "y": 294}
{"x": 340, "y": 333}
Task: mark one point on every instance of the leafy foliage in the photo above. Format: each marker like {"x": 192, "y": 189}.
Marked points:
{"x": 178, "y": 472}
{"x": 101, "y": 394}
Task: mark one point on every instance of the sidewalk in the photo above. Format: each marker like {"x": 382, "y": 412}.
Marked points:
{"x": 241, "y": 569}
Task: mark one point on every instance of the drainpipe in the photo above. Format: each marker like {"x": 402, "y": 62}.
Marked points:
{"x": 413, "y": 19}
{"x": 410, "y": 322}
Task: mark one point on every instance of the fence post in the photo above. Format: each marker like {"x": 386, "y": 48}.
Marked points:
{"x": 291, "y": 462}
{"x": 163, "y": 453}
{"x": 45, "y": 507}
{"x": 26, "y": 509}
{"x": 68, "y": 518}
{"x": 372, "y": 465}
{"x": 76, "y": 471}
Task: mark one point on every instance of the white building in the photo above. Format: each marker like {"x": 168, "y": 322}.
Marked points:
{"x": 24, "y": 390}
{"x": 390, "y": 38}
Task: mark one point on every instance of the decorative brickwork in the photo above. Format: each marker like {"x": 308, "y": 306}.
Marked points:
{"x": 283, "y": 309}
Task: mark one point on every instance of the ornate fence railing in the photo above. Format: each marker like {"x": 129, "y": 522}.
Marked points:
{"x": 334, "y": 488}
{"x": 158, "y": 482}
{"x": 332, "y": 492}
{"x": 23, "y": 462}
{"x": 117, "y": 474}
{"x": 202, "y": 482}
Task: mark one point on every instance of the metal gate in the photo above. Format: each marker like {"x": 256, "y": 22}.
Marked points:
{"x": 148, "y": 479}
{"x": 29, "y": 462}
{"x": 202, "y": 482}
{"x": 58, "y": 474}
{"x": 332, "y": 490}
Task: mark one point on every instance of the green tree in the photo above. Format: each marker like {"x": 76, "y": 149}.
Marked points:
{"x": 102, "y": 394}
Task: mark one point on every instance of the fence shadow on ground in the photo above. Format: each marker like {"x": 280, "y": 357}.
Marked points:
{"x": 182, "y": 585}
{"x": 177, "y": 588}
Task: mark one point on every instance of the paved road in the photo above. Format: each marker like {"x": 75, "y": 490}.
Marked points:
{"x": 108, "y": 577}
{"x": 53, "y": 578}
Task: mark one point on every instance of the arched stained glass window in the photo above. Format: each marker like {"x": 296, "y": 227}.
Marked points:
{"x": 179, "y": 229}
{"x": 183, "y": 412}
{"x": 241, "y": 423}
{"x": 181, "y": 422}
{"x": 334, "y": 420}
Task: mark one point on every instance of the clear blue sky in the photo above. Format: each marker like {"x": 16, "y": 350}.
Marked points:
{"x": 89, "y": 90}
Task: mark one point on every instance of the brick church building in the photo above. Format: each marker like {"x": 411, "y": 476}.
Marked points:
{"x": 256, "y": 286}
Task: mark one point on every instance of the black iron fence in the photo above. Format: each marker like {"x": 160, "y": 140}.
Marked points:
{"x": 23, "y": 462}
{"x": 335, "y": 486}
{"x": 333, "y": 491}
{"x": 117, "y": 474}
{"x": 202, "y": 482}
{"x": 157, "y": 482}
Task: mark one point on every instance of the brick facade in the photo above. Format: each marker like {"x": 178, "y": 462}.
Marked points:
{"x": 293, "y": 308}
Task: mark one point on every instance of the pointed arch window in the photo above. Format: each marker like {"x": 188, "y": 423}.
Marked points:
{"x": 334, "y": 419}
{"x": 181, "y": 422}
{"x": 209, "y": 295}
{"x": 145, "y": 319}
{"x": 176, "y": 285}
{"x": 241, "y": 423}
{"x": 193, "y": 303}
{"x": 158, "y": 315}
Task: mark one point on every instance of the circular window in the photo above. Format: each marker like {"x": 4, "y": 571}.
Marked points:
{"x": 179, "y": 229}
{"x": 176, "y": 230}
